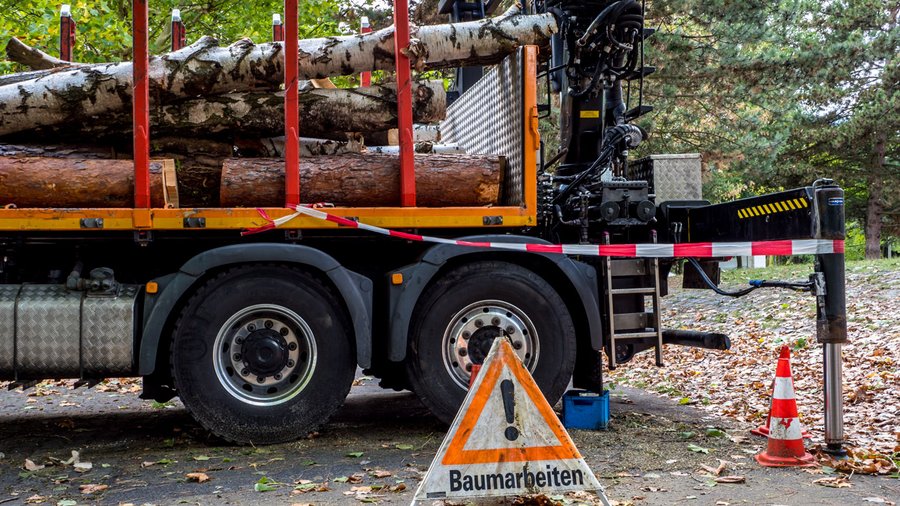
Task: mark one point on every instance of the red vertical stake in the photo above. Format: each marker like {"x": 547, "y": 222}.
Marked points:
{"x": 404, "y": 104}
{"x": 365, "y": 78}
{"x": 277, "y": 28}
{"x": 66, "y": 33}
{"x": 291, "y": 106}
{"x": 178, "y": 32}
{"x": 141, "y": 101}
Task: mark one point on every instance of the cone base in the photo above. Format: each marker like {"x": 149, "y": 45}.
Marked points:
{"x": 763, "y": 431}
{"x": 805, "y": 460}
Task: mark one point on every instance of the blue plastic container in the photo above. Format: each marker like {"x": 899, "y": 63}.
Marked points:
{"x": 585, "y": 410}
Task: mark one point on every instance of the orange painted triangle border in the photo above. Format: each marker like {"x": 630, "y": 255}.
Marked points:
{"x": 456, "y": 453}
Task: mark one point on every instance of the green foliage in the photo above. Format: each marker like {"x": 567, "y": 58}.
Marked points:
{"x": 778, "y": 94}
{"x": 104, "y": 26}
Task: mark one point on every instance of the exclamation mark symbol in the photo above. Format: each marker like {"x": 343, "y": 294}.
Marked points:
{"x": 507, "y": 392}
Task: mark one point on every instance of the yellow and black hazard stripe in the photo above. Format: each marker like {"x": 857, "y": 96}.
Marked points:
{"x": 780, "y": 206}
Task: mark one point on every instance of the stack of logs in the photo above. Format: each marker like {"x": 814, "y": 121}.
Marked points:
{"x": 65, "y": 129}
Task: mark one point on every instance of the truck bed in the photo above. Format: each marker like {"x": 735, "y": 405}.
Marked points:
{"x": 497, "y": 116}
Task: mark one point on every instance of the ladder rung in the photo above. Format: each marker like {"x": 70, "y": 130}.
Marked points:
{"x": 626, "y": 291}
{"x": 634, "y": 335}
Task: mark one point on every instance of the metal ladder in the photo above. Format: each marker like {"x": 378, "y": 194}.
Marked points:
{"x": 628, "y": 283}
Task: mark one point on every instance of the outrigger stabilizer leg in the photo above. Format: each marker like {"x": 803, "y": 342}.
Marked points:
{"x": 831, "y": 310}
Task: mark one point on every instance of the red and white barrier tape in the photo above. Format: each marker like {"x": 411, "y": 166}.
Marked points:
{"x": 696, "y": 249}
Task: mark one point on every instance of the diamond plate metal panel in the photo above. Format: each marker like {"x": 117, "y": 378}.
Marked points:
{"x": 8, "y": 295}
{"x": 107, "y": 333}
{"x": 48, "y": 326}
{"x": 671, "y": 177}
{"x": 490, "y": 119}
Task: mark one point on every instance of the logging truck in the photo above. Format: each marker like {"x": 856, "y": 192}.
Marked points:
{"x": 258, "y": 313}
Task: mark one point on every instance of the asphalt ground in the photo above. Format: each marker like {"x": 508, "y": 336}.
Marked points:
{"x": 375, "y": 450}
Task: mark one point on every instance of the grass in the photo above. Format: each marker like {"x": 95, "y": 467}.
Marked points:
{"x": 801, "y": 272}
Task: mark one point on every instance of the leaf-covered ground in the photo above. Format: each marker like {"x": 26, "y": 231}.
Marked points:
{"x": 737, "y": 383}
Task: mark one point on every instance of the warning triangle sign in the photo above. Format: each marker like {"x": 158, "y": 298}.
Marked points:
{"x": 505, "y": 441}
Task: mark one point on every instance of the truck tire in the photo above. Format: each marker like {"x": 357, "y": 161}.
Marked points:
{"x": 262, "y": 354}
{"x": 458, "y": 317}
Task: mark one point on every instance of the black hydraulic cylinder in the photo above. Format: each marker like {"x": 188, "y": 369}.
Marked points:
{"x": 697, "y": 339}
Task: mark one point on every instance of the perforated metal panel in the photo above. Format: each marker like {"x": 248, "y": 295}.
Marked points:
{"x": 7, "y": 328}
{"x": 48, "y": 332}
{"x": 107, "y": 330}
{"x": 671, "y": 177}
{"x": 490, "y": 119}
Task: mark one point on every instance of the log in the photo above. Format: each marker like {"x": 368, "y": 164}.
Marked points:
{"x": 364, "y": 180}
{"x": 273, "y": 147}
{"x": 73, "y": 182}
{"x": 421, "y": 147}
{"x": 203, "y": 68}
{"x": 34, "y": 58}
{"x": 323, "y": 112}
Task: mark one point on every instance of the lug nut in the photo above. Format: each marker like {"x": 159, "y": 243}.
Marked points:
{"x": 469, "y": 367}
{"x": 260, "y": 379}
{"x": 479, "y": 323}
{"x": 277, "y": 376}
{"x": 510, "y": 330}
{"x": 517, "y": 345}
{"x": 239, "y": 340}
{"x": 292, "y": 346}
{"x": 290, "y": 363}
{"x": 495, "y": 321}
{"x": 463, "y": 352}
{"x": 251, "y": 327}
{"x": 284, "y": 331}
{"x": 466, "y": 334}
{"x": 237, "y": 356}
{"x": 269, "y": 324}
{"x": 244, "y": 372}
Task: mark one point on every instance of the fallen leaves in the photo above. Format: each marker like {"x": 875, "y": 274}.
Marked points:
{"x": 834, "y": 482}
{"x": 305, "y": 486}
{"x": 697, "y": 449}
{"x": 860, "y": 461}
{"x": 198, "y": 477}
{"x": 737, "y": 383}
{"x": 31, "y": 466}
{"x": 730, "y": 479}
{"x": 92, "y": 488}
{"x": 266, "y": 484}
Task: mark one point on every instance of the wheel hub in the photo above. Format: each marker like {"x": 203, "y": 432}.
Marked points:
{"x": 472, "y": 331}
{"x": 264, "y": 352}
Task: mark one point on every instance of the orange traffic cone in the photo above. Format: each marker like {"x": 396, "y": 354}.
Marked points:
{"x": 763, "y": 430}
{"x": 785, "y": 448}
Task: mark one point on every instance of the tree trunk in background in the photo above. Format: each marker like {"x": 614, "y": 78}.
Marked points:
{"x": 875, "y": 202}
{"x": 364, "y": 180}
{"x": 77, "y": 96}
{"x": 73, "y": 182}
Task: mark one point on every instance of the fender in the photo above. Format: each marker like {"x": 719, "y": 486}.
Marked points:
{"x": 354, "y": 289}
{"x": 416, "y": 277}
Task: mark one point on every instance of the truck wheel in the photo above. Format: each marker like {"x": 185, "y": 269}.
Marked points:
{"x": 262, "y": 354}
{"x": 460, "y": 315}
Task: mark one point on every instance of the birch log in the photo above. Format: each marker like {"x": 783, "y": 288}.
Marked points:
{"x": 203, "y": 68}
{"x": 73, "y": 182}
{"x": 364, "y": 180}
{"x": 323, "y": 112}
